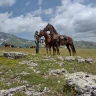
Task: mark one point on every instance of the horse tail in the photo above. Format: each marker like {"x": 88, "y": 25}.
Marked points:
{"x": 73, "y": 49}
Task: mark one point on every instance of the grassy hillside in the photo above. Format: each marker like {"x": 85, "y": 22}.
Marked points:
{"x": 14, "y": 40}
{"x": 11, "y": 68}
{"x": 85, "y": 44}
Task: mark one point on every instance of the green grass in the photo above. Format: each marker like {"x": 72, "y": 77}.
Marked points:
{"x": 63, "y": 51}
{"x": 11, "y": 68}
{"x": 19, "y": 94}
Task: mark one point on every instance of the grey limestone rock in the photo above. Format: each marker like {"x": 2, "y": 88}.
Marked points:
{"x": 82, "y": 82}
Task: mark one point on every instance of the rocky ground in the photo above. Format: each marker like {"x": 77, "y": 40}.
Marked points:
{"x": 84, "y": 83}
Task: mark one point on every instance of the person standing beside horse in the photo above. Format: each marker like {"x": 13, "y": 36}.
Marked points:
{"x": 36, "y": 38}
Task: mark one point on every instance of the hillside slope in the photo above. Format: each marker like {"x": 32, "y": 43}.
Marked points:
{"x": 14, "y": 40}
{"x": 85, "y": 44}
{"x": 19, "y": 42}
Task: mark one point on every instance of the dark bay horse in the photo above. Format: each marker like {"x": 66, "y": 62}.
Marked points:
{"x": 63, "y": 40}
{"x": 7, "y": 45}
{"x": 54, "y": 38}
{"x": 48, "y": 43}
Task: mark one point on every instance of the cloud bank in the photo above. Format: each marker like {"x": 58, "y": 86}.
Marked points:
{"x": 73, "y": 18}
{"x": 27, "y": 23}
{"x": 76, "y": 19}
{"x": 7, "y": 2}
{"x": 40, "y": 2}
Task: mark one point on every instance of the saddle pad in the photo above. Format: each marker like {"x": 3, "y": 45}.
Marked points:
{"x": 61, "y": 37}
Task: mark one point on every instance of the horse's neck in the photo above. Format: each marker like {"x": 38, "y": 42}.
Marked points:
{"x": 48, "y": 36}
{"x": 52, "y": 31}
{"x": 45, "y": 36}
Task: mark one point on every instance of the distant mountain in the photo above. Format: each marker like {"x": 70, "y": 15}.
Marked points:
{"x": 19, "y": 42}
{"x": 85, "y": 44}
{"x": 14, "y": 40}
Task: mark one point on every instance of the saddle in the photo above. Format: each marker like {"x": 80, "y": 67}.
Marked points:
{"x": 62, "y": 37}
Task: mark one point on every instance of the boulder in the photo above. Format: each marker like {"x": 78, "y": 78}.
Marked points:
{"x": 69, "y": 58}
{"x": 57, "y": 71}
{"x": 61, "y": 58}
{"x": 89, "y": 60}
{"x": 14, "y": 55}
{"x": 82, "y": 82}
{"x": 81, "y": 60}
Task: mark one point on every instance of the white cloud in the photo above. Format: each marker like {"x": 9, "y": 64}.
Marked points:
{"x": 75, "y": 19}
{"x": 67, "y": 2}
{"x": 7, "y": 2}
{"x": 79, "y": 1}
{"x": 72, "y": 18}
{"x": 27, "y": 23}
{"x": 42, "y": 11}
{"x": 27, "y": 3}
{"x": 48, "y": 11}
{"x": 40, "y": 2}
{"x": 38, "y": 12}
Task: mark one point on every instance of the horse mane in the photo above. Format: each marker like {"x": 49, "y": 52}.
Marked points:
{"x": 54, "y": 29}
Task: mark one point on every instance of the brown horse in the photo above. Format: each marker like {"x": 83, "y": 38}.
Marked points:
{"x": 7, "y": 45}
{"x": 63, "y": 40}
{"x": 54, "y": 38}
{"x": 48, "y": 43}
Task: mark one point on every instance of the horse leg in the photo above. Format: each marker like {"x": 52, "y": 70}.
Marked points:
{"x": 58, "y": 53}
{"x": 68, "y": 49}
{"x": 73, "y": 49}
{"x": 47, "y": 49}
{"x": 54, "y": 50}
{"x": 50, "y": 50}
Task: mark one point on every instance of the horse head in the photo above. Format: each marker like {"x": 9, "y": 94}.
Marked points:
{"x": 41, "y": 33}
{"x": 48, "y": 27}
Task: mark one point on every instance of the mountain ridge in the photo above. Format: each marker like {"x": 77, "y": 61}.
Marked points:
{"x": 14, "y": 40}
{"x": 20, "y": 42}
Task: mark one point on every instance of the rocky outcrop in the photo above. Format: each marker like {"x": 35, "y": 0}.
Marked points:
{"x": 48, "y": 58}
{"x": 69, "y": 58}
{"x": 61, "y": 58}
{"x": 32, "y": 65}
{"x": 57, "y": 71}
{"x": 84, "y": 83}
{"x": 12, "y": 91}
{"x": 79, "y": 59}
{"x": 27, "y": 90}
{"x": 14, "y": 55}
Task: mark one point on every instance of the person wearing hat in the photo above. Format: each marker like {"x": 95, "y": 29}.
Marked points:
{"x": 36, "y": 38}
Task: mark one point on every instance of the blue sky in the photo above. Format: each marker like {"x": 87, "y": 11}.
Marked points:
{"x": 21, "y": 7}
{"x": 75, "y": 18}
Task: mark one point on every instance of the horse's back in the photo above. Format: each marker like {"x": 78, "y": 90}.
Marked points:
{"x": 56, "y": 36}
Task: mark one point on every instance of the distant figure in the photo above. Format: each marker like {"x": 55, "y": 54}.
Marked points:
{"x": 7, "y": 45}
{"x": 12, "y": 46}
{"x": 36, "y": 38}
{"x": 32, "y": 47}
